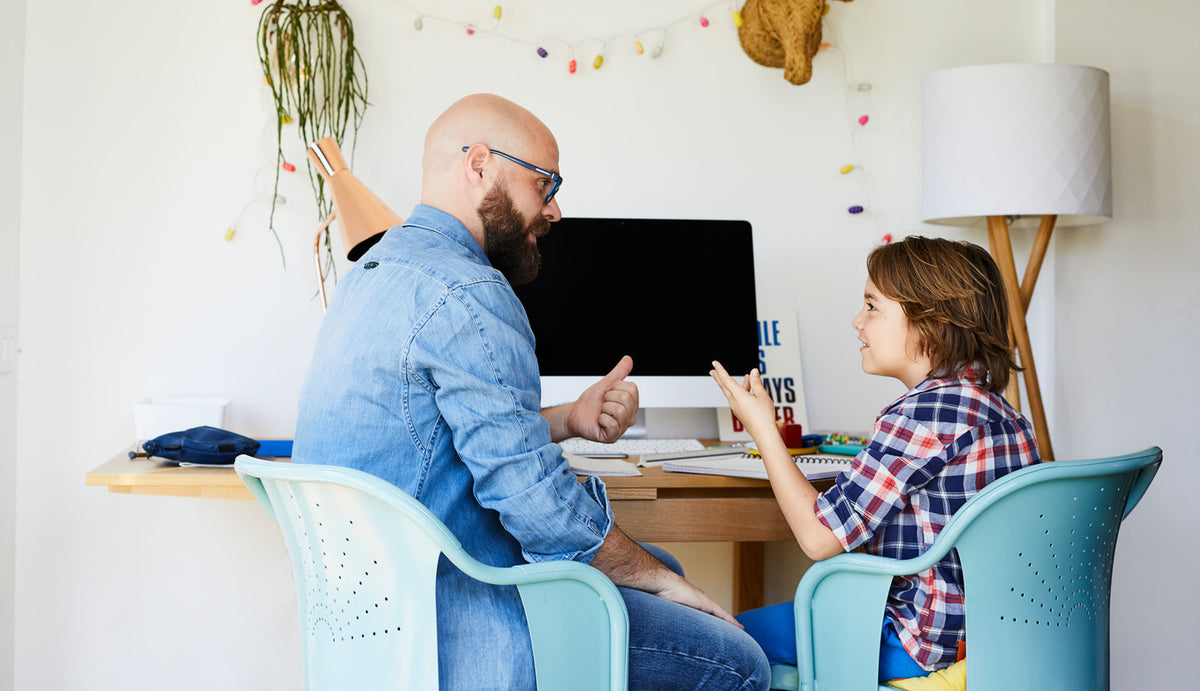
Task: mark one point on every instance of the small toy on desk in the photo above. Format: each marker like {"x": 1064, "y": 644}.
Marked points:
{"x": 797, "y": 441}
{"x": 793, "y": 435}
{"x": 840, "y": 443}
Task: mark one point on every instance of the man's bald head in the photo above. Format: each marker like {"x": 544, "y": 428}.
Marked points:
{"x": 486, "y": 119}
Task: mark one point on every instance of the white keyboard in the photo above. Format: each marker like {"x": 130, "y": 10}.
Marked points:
{"x": 633, "y": 447}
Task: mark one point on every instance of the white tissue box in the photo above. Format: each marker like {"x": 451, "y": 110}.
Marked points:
{"x": 155, "y": 416}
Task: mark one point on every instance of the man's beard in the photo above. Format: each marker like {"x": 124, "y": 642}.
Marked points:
{"x": 506, "y": 237}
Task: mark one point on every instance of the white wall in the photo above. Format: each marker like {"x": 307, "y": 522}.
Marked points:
{"x": 1129, "y": 319}
{"x": 12, "y": 62}
{"x": 146, "y": 132}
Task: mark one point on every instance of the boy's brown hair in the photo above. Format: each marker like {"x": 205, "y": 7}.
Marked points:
{"x": 952, "y": 294}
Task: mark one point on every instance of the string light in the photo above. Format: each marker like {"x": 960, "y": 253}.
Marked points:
{"x": 231, "y": 230}
{"x": 737, "y": 18}
{"x": 854, "y": 89}
{"x": 288, "y": 167}
{"x": 598, "y": 62}
{"x": 639, "y": 44}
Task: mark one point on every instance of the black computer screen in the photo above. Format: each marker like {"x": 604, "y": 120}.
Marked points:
{"x": 674, "y": 294}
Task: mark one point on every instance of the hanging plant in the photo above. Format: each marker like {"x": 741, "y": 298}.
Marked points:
{"x": 318, "y": 81}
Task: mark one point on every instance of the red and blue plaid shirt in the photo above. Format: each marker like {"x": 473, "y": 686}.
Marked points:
{"x": 931, "y": 450}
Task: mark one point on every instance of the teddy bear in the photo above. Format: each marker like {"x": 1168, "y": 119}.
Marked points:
{"x": 783, "y": 33}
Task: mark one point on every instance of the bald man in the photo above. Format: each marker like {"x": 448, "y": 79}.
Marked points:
{"x": 424, "y": 374}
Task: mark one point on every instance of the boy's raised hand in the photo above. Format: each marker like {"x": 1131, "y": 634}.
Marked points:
{"x": 749, "y": 400}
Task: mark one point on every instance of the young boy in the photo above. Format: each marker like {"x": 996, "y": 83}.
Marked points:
{"x": 935, "y": 317}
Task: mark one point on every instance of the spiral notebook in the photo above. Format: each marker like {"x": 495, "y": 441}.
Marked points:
{"x": 814, "y": 466}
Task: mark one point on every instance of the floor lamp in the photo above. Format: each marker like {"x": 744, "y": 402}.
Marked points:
{"x": 1017, "y": 145}
{"x": 362, "y": 217}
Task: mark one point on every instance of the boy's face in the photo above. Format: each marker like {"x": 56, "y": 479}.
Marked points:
{"x": 889, "y": 342}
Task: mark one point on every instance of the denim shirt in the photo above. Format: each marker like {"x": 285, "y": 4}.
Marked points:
{"x": 424, "y": 375}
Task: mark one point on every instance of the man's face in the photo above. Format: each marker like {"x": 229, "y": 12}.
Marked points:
{"x": 510, "y": 242}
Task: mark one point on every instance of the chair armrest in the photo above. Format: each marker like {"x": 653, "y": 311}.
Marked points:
{"x": 577, "y": 619}
{"x": 843, "y": 597}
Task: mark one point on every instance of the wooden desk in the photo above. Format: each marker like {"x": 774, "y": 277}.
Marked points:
{"x": 656, "y": 507}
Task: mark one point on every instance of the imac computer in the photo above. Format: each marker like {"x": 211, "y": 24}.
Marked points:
{"x": 673, "y": 294}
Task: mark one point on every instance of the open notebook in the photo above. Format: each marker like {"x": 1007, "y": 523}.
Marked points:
{"x": 814, "y": 466}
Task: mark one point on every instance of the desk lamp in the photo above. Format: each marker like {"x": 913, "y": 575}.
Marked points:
{"x": 1019, "y": 145}
{"x": 361, "y": 215}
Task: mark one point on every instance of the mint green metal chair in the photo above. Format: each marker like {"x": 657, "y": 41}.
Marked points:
{"x": 1037, "y": 551}
{"x": 365, "y": 558}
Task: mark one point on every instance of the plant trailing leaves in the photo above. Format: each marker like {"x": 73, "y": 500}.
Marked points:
{"x": 318, "y": 81}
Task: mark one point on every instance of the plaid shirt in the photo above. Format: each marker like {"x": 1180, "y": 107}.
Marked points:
{"x": 931, "y": 450}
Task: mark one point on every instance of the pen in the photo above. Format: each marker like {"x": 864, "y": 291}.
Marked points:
{"x": 604, "y": 455}
{"x": 709, "y": 453}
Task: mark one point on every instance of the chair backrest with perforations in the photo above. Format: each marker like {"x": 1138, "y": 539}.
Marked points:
{"x": 365, "y": 569}
{"x": 1037, "y": 568}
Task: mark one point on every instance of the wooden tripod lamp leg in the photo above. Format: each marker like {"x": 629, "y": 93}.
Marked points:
{"x": 1013, "y": 391}
{"x": 1002, "y": 252}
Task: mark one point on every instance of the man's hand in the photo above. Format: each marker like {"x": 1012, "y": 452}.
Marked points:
{"x": 603, "y": 412}
{"x": 628, "y": 565}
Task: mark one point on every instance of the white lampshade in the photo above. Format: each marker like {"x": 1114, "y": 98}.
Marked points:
{"x": 1016, "y": 140}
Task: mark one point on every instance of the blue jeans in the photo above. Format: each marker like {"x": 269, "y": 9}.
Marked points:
{"x": 673, "y": 646}
{"x": 774, "y": 627}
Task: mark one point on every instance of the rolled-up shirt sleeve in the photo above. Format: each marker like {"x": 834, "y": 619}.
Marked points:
{"x": 903, "y": 456}
{"x": 476, "y": 351}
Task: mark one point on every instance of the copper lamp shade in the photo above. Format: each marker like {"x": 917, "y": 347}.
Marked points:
{"x": 361, "y": 215}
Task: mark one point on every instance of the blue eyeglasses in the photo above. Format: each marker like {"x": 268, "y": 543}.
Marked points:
{"x": 555, "y": 179}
